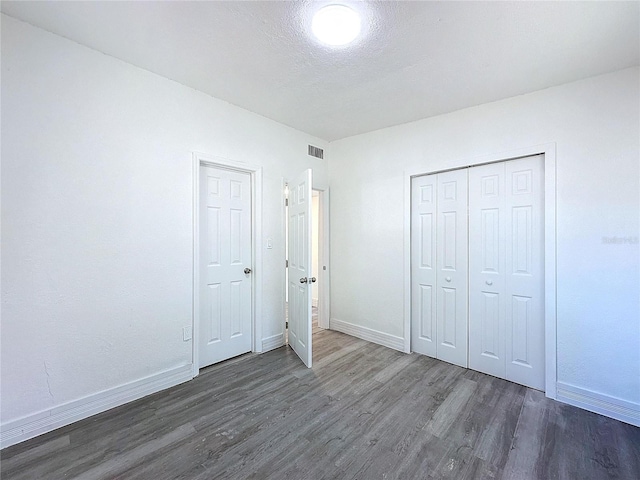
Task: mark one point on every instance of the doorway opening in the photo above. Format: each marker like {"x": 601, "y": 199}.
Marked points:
{"x": 227, "y": 286}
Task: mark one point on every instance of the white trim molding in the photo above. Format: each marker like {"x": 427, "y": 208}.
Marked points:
{"x": 272, "y": 342}
{"x": 256, "y": 243}
{"x": 368, "y": 334}
{"x": 24, "y": 428}
{"x": 324, "y": 286}
{"x": 550, "y": 308}
{"x": 596, "y": 402}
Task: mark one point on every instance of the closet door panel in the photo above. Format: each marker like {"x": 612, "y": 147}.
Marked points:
{"x": 452, "y": 267}
{"x": 423, "y": 264}
{"x": 487, "y": 337}
{"x": 524, "y": 255}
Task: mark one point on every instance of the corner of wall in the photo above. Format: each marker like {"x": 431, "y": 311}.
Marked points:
{"x": 368, "y": 334}
{"x": 625, "y": 411}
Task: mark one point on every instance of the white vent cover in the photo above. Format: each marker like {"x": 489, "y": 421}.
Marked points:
{"x": 316, "y": 152}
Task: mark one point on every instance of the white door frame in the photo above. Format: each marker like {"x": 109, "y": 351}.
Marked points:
{"x": 549, "y": 152}
{"x": 256, "y": 252}
{"x": 324, "y": 303}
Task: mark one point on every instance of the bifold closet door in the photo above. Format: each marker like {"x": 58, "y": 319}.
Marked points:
{"x": 524, "y": 180}
{"x": 487, "y": 250}
{"x": 423, "y": 264}
{"x": 439, "y": 266}
{"x": 452, "y": 267}
{"x": 506, "y": 270}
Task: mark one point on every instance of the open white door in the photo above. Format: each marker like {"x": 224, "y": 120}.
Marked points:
{"x": 300, "y": 274}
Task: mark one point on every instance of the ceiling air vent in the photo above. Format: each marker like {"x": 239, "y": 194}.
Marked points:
{"x": 316, "y": 152}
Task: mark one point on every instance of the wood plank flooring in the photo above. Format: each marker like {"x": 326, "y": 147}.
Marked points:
{"x": 362, "y": 412}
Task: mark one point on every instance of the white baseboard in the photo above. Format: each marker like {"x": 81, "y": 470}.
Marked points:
{"x": 368, "y": 334}
{"x": 24, "y": 428}
{"x": 613, "y": 407}
{"x": 272, "y": 342}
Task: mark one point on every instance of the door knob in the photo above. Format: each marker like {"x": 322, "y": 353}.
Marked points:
{"x": 313, "y": 279}
{"x": 489, "y": 282}
{"x": 247, "y": 271}
{"x": 304, "y": 280}
{"x": 448, "y": 279}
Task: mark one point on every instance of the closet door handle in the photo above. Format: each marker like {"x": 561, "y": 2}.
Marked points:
{"x": 448, "y": 279}
{"x": 489, "y": 282}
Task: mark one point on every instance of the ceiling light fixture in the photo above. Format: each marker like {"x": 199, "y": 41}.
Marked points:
{"x": 336, "y": 25}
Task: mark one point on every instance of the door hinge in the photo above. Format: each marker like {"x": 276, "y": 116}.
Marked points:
{"x": 286, "y": 264}
{"x": 286, "y": 325}
{"x": 286, "y": 202}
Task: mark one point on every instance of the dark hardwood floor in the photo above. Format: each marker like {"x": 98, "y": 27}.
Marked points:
{"x": 362, "y": 412}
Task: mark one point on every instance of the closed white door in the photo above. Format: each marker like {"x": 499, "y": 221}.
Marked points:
{"x": 481, "y": 249}
{"x": 487, "y": 274}
{"x": 524, "y": 181}
{"x": 299, "y": 271}
{"x": 506, "y": 270}
{"x": 225, "y": 265}
{"x": 452, "y": 267}
{"x": 423, "y": 266}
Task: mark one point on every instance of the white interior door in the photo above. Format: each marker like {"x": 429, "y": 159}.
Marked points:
{"x": 299, "y": 271}
{"x": 225, "y": 265}
{"x": 423, "y": 264}
{"x": 487, "y": 260}
{"x": 524, "y": 180}
{"x": 452, "y": 267}
{"x": 506, "y": 265}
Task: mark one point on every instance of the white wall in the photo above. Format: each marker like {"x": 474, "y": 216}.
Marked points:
{"x": 97, "y": 216}
{"x": 596, "y": 126}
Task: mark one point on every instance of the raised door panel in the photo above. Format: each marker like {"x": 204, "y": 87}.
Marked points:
{"x": 487, "y": 269}
{"x": 525, "y": 271}
{"x": 423, "y": 271}
{"x": 212, "y": 314}
{"x": 452, "y": 267}
{"x": 302, "y": 289}
{"x": 236, "y": 308}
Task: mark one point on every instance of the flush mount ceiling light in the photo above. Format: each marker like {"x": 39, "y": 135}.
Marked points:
{"x": 336, "y": 25}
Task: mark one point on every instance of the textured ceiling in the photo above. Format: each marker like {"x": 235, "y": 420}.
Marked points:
{"x": 414, "y": 60}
